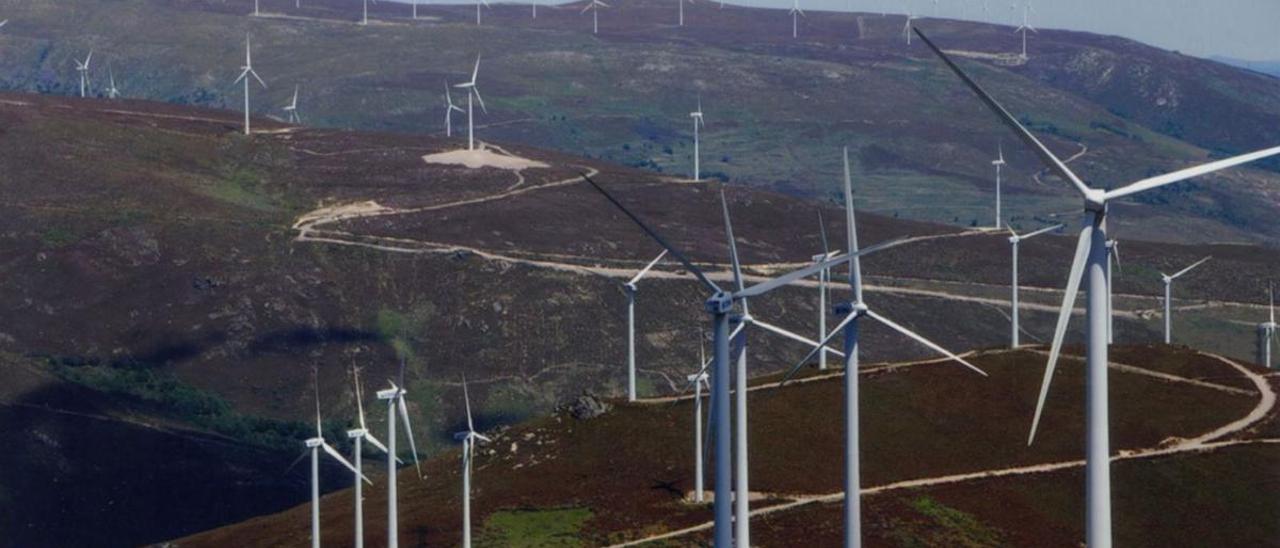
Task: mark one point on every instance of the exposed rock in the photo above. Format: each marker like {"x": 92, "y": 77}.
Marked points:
{"x": 586, "y": 407}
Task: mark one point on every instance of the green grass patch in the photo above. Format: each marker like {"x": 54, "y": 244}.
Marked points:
{"x": 943, "y": 526}
{"x": 535, "y": 527}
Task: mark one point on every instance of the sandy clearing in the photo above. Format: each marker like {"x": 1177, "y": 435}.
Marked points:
{"x": 483, "y": 157}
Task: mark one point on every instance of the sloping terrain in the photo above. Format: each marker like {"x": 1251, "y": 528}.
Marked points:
{"x": 937, "y": 441}
{"x": 778, "y": 109}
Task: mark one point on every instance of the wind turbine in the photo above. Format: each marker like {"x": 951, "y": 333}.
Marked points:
{"x": 630, "y": 289}
{"x": 395, "y": 400}
{"x": 1267, "y": 331}
{"x": 720, "y": 306}
{"x": 697, "y": 123}
{"x": 534, "y": 3}
{"x": 292, "y": 108}
{"x": 357, "y": 437}
{"x": 364, "y": 13}
{"x": 594, "y": 7}
{"x": 468, "y": 438}
{"x": 255, "y": 8}
{"x": 1090, "y": 259}
{"x": 113, "y": 92}
{"x": 246, "y": 71}
{"x": 999, "y": 163}
{"x": 472, "y": 92}
{"x": 449, "y": 109}
{"x": 824, "y": 281}
{"x": 1025, "y": 27}
{"x": 1113, "y": 259}
{"x": 315, "y": 445}
{"x": 1014, "y": 240}
{"x": 906, "y": 28}
{"x": 1168, "y": 298}
{"x": 853, "y": 312}
{"x": 83, "y": 68}
{"x": 479, "y": 3}
{"x": 682, "y": 11}
{"x": 698, "y": 380}
{"x": 796, "y": 14}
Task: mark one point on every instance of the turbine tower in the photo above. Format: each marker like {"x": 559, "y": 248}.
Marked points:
{"x": 357, "y": 437}
{"x": 630, "y": 289}
{"x": 594, "y": 7}
{"x": 83, "y": 68}
{"x": 292, "y": 108}
{"x": 449, "y": 109}
{"x": 473, "y": 92}
{"x": 853, "y": 311}
{"x": 1090, "y": 260}
{"x": 720, "y": 306}
{"x": 395, "y": 400}
{"x": 246, "y": 71}
{"x": 698, "y": 122}
{"x": 999, "y": 163}
{"x": 315, "y": 445}
{"x": 796, "y": 13}
{"x": 1168, "y": 298}
{"x": 682, "y": 11}
{"x": 468, "y": 438}
{"x": 1267, "y": 331}
{"x": 1014, "y": 240}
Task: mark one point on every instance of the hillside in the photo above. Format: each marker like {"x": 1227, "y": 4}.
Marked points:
{"x": 937, "y": 443}
{"x": 778, "y": 109}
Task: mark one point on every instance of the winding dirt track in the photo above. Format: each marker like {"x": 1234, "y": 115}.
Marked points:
{"x": 1209, "y": 441}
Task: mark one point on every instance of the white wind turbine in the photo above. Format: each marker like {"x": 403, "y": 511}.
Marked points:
{"x": 999, "y": 163}
{"x": 480, "y": 3}
{"x": 698, "y": 381}
{"x": 1168, "y": 298}
{"x": 364, "y": 12}
{"x": 255, "y": 8}
{"x": 1090, "y": 260}
{"x": 796, "y": 13}
{"x": 1267, "y": 331}
{"x": 468, "y": 438}
{"x": 906, "y": 28}
{"x": 720, "y": 306}
{"x": 395, "y": 401}
{"x": 594, "y": 7}
{"x": 315, "y": 445}
{"x": 682, "y": 11}
{"x": 853, "y": 312}
{"x": 113, "y": 92}
{"x": 292, "y": 108}
{"x": 357, "y": 437}
{"x": 1113, "y": 260}
{"x": 630, "y": 289}
{"x": 245, "y": 72}
{"x": 449, "y": 109}
{"x": 698, "y": 122}
{"x": 83, "y": 68}
{"x": 473, "y": 92}
{"x": 824, "y": 281}
{"x": 1014, "y": 240}
{"x": 1026, "y": 27}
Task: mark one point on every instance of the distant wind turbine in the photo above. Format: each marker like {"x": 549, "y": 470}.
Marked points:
{"x": 449, "y": 109}
{"x": 1267, "y": 330}
{"x": 906, "y": 28}
{"x": 468, "y": 438}
{"x": 480, "y": 3}
{"x": 1089, "y": 264}
{"x": 395, "y": 401}
{"x": 796, "y": 14}
{"x": 999, "y": 163}
{"x": 1014, "y": 240}
{"x": 315, "y": 445}
{"x": 255, "y": 8}
{"x": 630, "y": 289}
{"x": 246, "y": 71}
{"x": 853, "y": 311}
{"x": 1168, "y": 298}
{"x": 113, "y": 92}
{"x": 698, "y": 381}
{"x": 682, "y": 10}
{"x": 1026, "y": 27}
{"x": 83, "y": 68}
{"x": 473, "y": 92}
{"x": 292, "y": 108}
{"x": 698, "y": 122}
{"x": 594, "y": 7}
{"x": 824, "y": 288}
{"x": 357, "y": 437}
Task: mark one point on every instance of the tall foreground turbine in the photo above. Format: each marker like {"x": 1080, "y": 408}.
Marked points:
{"x": 1090, "y": 260}
{"x": 1168, "y": 298}
{"x": 853, "y": 311}
{"x": 719, "y": 306}
{"x": 630, "y": 289}
{"x": 473, "y": 92}
{"x": 315, "y": 445}
{"x": 1267, "y": 331}
{"x": 357, "y": 437}
{"x": 1014, "y": 240}
{"x": 245, "y": 72}
{"x": 395, "y": 401}
{"x": 468, "y": 438}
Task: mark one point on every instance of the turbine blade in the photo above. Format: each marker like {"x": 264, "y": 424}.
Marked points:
{"x": 1115, "y": 252}
{"x": 1042, "y": 231}
{"x": 1054, "y": 164}
{"x": 1189, "y": 268}
{"x": 786, "y": 279}
{"x": 855, "y": 265}
{"x": 479, "y": 99}
{"x": 475, "y": 72}
{"x": 822, "y": 232}
{"x": 1083, "y": 246}
{"x": 374, "y": 442}
{"x": 241, "y": 77}
{"x": 408, "y": 432}
{"x": 920, "y": 339}
{"x": 258, "y": 78}
{"x": 697, "y": 272}
{"x": 1178, "y": 176}
{"x": 338, "y": 456}
{"x": 733, "y": 245}
{"x": 793, "y": 336}
{"x": 466, "y": 397}
{"x": 355, "y": 374}
{"x": 648, "y": 267}
{"x": 814, "y": 352}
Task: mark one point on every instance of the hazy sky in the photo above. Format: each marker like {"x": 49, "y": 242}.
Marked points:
{"x": 1246, "y": 29}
